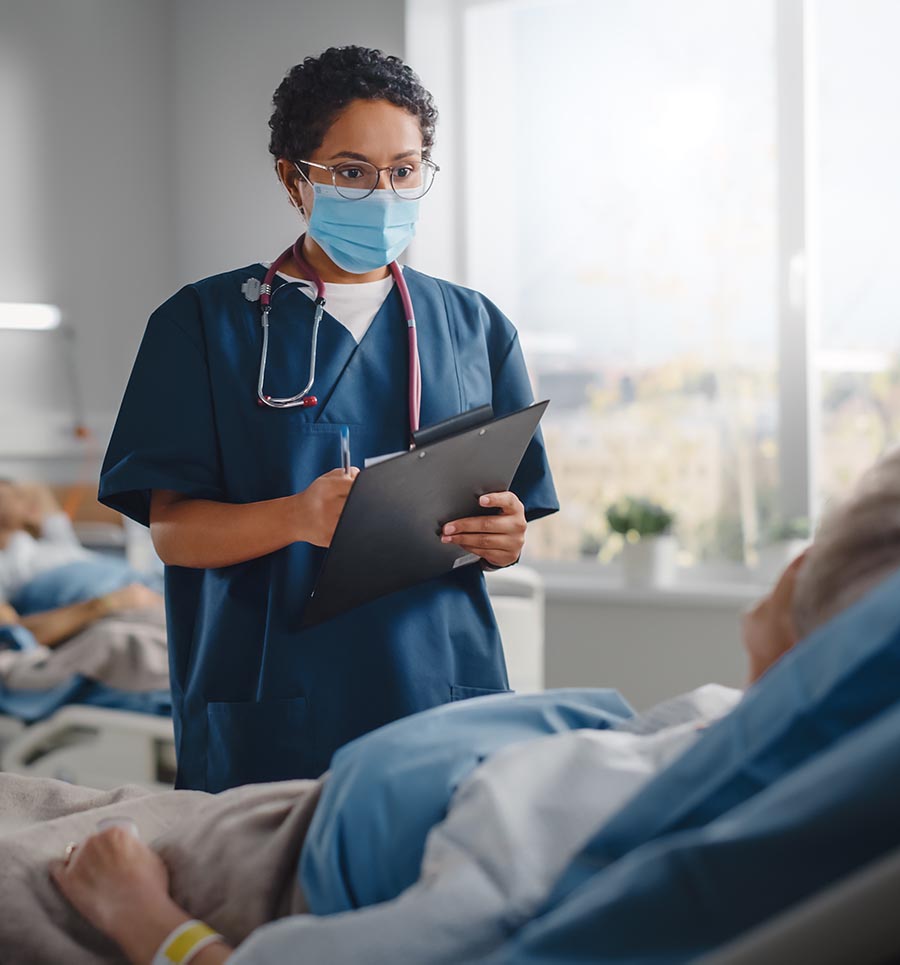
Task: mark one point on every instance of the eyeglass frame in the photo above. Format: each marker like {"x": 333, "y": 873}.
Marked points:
{"x": 331, "y": 168}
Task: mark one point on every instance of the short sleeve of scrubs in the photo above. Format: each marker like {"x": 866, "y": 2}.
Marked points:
{"x": 533, "y": 483}
{"x": 165, "y": 437}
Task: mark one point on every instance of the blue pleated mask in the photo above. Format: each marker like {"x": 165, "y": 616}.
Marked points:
{"x": 364, "y": 234}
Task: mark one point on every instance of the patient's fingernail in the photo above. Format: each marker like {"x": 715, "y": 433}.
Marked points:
{"x": 449, "y": 530}
{"x": 485, "y": 500}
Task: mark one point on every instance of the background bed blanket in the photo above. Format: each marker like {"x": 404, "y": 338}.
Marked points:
{"x": 232, "y": 858}
{"x": 126, "y": 651}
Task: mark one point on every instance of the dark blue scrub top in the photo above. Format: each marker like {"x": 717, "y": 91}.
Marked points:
{"x": 254, "y": 698}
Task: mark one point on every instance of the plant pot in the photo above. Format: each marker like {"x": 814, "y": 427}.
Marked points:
{"x": 772, "y": 559}
{"x": 649, "y": 561}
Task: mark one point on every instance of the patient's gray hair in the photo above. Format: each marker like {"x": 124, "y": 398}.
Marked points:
{"x": 856, "y": 546}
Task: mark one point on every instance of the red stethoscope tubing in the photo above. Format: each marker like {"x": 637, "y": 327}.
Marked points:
{"x": 415, "y": 369}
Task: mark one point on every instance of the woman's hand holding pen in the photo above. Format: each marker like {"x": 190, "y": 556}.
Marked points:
{"x": 321, "y": 505}
{"x": 497, "y": 539}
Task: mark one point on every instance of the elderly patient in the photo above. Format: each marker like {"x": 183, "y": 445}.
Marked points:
{"x": 430, "y": 840}
{"x": 80, "y": 627}
{"x": 49, "y": 583}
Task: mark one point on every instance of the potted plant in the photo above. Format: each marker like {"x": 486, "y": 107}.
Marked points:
{"x": 648, "y": 549}
{"x": 783, "y": 540}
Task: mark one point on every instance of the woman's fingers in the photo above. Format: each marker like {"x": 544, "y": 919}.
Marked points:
{"x": 485, "y": 524}
{"x": 480, "y": 541}
{"x": 508, "y": 502}
{"x": 498, "y": 538}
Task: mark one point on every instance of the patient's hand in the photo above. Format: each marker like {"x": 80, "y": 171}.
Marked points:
{"x": 135, "y": 596}
{"x": 110, "y": 877}
{"x": 768, "y": 629}
{"x": 7, "y": 615}
{"x": 122, "y": 888}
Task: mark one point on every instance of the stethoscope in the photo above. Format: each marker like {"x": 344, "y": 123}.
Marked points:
{"x": 304, "y": 398}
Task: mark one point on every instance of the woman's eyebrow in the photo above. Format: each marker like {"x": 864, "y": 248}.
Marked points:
{"x": 362, "y": 157}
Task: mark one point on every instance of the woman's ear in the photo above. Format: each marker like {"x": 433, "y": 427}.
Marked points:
{"x": 289, "y": 178}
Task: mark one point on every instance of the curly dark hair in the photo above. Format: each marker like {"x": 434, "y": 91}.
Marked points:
{"x": 314, "y": 92}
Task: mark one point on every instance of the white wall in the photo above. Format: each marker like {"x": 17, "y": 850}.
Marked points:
{"x": 649, "y": 646}
{"x": 85, "y": 196}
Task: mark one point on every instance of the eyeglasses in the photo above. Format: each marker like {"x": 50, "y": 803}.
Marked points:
{"x": 355, "y": 180}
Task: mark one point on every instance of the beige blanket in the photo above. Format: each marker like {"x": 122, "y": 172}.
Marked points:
{"x": 232, "y": 859}
{"x": 126, "y": 651}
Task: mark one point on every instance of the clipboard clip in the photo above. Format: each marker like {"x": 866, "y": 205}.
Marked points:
{"x": 453, "y": 426}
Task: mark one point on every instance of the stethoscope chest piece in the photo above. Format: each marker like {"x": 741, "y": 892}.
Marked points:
{"x": 251, "y": 288}
{"x": 263, "y": 292}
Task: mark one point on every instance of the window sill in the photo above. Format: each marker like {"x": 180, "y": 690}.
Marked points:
{"x": 582, "y": 581}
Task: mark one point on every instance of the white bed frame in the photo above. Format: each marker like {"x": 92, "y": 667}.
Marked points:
{"x": 93, "y": 746}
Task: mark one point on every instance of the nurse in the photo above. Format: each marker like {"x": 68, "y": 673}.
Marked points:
{"x": 242, "y": 499}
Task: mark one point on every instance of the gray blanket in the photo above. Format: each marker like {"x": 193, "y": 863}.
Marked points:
{"x": 232, "y": 858}
{"x": 126, "y": 651}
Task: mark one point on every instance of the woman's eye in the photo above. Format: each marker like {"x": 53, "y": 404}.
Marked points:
{"x": 404, "y": 172}
{"x": 350, "y": 174}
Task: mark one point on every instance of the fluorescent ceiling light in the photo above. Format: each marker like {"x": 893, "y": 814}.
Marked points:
{"x": 30, "y": 316}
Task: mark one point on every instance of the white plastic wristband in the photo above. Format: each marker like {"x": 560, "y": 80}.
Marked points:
{"x": 185, "y": 942}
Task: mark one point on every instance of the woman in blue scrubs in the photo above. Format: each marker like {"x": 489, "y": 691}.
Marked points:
{"x": 242, "y": 499}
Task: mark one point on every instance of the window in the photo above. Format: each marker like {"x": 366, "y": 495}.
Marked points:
{"x": 685, "y": 208}
{"x": 856, "y": 150}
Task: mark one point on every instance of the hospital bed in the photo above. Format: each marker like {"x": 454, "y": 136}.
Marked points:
{"x": 95, "y": 747}
{"x": 104, "y": 748}
{"x": 853, "y": 921}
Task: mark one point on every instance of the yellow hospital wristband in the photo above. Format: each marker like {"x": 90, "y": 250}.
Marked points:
{"x": 185, "y": 942}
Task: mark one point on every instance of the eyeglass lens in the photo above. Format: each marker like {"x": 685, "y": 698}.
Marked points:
{"x": 410, "y": 180}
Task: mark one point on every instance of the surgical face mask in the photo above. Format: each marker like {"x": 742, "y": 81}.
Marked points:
{"x": 362, "y": 234}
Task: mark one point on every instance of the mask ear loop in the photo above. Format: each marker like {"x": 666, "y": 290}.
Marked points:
{"x": 300, "y": 207}
{"x": 291, "y": 200}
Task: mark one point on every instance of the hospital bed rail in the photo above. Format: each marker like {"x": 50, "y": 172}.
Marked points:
{"x": 96, "y": 747}
{"x": 854, "y": 920}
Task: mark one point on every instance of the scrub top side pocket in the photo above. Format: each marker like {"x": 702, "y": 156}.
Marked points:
{"x": 253, "y": 742}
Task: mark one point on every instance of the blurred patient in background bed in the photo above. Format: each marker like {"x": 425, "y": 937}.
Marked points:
{"x": 75, "y": 626}
{"x": 49, "y": 583}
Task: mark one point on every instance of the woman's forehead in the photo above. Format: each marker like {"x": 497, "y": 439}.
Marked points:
{"x": 377, "y": 130}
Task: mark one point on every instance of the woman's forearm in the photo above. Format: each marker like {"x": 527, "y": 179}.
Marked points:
{"x": 205, "y": 534}
{"x": 56, "y": 626}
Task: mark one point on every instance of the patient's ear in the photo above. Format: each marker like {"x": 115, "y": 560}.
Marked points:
{"x": 768, "y": 630}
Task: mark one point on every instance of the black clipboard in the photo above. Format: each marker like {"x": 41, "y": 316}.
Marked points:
{"x": 388, "y": 536}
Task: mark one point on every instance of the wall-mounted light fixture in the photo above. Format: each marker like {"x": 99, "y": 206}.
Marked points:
{"x": 35, "y": 317}
{"x": 31, "y": 317}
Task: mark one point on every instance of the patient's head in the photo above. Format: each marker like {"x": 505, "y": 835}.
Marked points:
{"x": 857, "y": 545}
{"x": 14, "y": 506}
